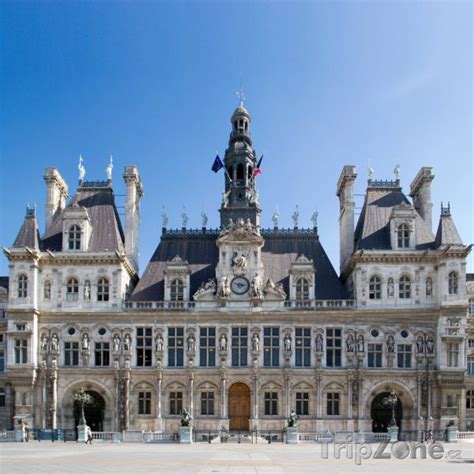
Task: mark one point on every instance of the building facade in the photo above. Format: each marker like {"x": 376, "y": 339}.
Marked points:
{"x": 241, "y": 324}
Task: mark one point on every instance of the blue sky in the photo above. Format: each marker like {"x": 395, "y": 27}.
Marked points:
{"x": 153, "y": 83}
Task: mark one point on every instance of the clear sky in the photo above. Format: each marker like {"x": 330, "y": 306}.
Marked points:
{"x": 153, "y": 83}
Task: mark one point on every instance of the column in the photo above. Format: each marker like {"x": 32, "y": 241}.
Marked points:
{"x": 255, "y": 398}
{"x": 191, "y": 394}
{"x": 126, "y": 396}
{"x": 54, "y": 397}
{"x": 223, "y": 396}
{"x": 158, "y": 395}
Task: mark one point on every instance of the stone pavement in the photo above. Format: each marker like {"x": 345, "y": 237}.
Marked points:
{"x": 46, "y": 457}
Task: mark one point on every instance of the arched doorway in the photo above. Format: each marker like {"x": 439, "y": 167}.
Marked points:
{"x": 381, "y": 413}
{"x": 93, "y": 411}
{"x": 239, "y": 406}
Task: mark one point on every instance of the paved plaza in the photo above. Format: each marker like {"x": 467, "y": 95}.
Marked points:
{"x": 46, "y": 457}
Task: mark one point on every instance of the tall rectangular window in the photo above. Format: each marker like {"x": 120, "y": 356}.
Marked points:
{"x": 452, "y": 354}
{"x": 176, "y": 403}
{"x": 333, "y": 401}
{"x": 374, "y": 355}
{"x": 175, "y": 347}
{"x": 144, "y": 347}
{"x": 207, "y": 403}
{"x": 271, "y": 403}
{"x": 470, "y": 365}
{"x": 303, "y": 347}
{"x": 333, "y": 347}
{"x": 239, "y": 346}
{"x": 102, "y": 354}
{"x": 471, "y": 307}
{"x": 207, "y": 347}
{"x": 404, "y": 356}
{"x": 302, "y": 403}
{"x": 2, "y": 361}
{"x": 144, "y": 403}
{"x": 271, "y": 347}
{"x": 21, "y": 351}
{"x": 71, "y": 353}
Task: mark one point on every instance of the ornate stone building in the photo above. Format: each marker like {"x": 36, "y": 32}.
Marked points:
{"x": 239, "y": 324}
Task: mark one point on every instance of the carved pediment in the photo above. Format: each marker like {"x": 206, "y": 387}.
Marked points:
{"x": 240, "y": 231}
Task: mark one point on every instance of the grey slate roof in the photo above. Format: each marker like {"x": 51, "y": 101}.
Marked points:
{"x": 29, "y": 234}
{"x": 4, "y": 282}
{"x": 373, "y": 227}
{"x": 447, "y": 232}
{"x": 199, "y": 249}
{"x": 107, "y": 233}
{"x": 469, "y": 276}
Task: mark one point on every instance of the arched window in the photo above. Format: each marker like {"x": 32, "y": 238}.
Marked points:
{"x": 404, "y": 287}
{"x": 375, "y": 288}
{"x": 240, "y": 171}
{"x": 2, "y": 397}
{"x": 429, "y": 287}
{"x": 72, "y": 289}
{"x": 470, "y": 399}
{"x": 47, "y": 290}
{"x": 403, "y": 236}
{"x": 177, "y": 290}
{"x": 22, "y": 286}
{"x": 453, "y": 283}
{"x": 302, "y": 289}
{"x": 74, "y": 238}
{"x": 103, "y": 289}
{"x": 230, "y": 171}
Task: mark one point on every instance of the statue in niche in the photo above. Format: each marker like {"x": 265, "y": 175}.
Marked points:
{"x": 430, "y": 345}
{"x": 44, "y": 342}
{"x": 87, "y": 290}
{"x": 360, "y": 343}
{"x": 127, "y": 343}
{"x": 116, "y": 343}
{"x": 390, "y": 344}
{"x": 223, "y": 343}
{"x": 319, "y": 343}
{"x": 191, "y": 343}
{"x": 85, "y": 342}
{"x": 159, "y": 343}
{"x": 54, "y": 343}
{"x": 239, "y": 262}
{"x": 420, "y": 349}
{"x": 390, "y": 288}
{"x": 287, "y": 342}
{"x": 350, "y": 343}
{"x": 255, "y": 343}
{"x": 224, "y": 289}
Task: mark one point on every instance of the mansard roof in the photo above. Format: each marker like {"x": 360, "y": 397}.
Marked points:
{"x": 29, "y": 234}
{"x": 107, "y": 233}
{"x": 281, "y": 248}
{"x": 373, "y": 227}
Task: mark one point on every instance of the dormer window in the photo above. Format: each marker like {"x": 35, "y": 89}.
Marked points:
{"x": 375, "y": 288}
{"x": 22, "y": 286}
{"x": 403, "y": 236}
{"x": 177, "y": 290}
{"x": 302, "y": 289}
{"x": 72, "y": 289}
{"x": 453, "y": 283}
{"x": 404, "y": 287}
{"x": 74, "y": 238}
{"x": 103, "y": 289}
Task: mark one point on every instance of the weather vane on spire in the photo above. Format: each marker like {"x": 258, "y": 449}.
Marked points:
{"x": 240, "y": 93}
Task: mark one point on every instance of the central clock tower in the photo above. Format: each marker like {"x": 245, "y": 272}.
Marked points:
{"x": 240, "y": 273}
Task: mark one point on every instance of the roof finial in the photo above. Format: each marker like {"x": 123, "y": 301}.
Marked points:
{"x": 109, "y": 169}
{"x": 82, "y": 170}
{"x": 397, "y": 172}
{"x": 295, "y": 217}
{"x": 314, "y": 219}
{"x": 371, "y": 173}
{"x": 275, "y": 217}
{"x": 240, "y": 94}
{"x": 164, "y": 218}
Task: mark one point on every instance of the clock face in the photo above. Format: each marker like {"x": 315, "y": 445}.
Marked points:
{"x": 240, "y": 285}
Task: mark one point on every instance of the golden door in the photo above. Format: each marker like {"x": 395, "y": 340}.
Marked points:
{"x": 239, "y": 407}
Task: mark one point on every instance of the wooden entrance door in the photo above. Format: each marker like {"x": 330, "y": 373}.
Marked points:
{"x": 239, "y": 407}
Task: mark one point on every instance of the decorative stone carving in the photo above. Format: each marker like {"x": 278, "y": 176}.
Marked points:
{"x": 360, "y": 343}
{"x": 255, "y": 343}
{"x": 319, "y": 343}
{"x": 256, "y": 287}
{"x": 240, "y": 231}
{"x": 390, "y": 344}
{"x": 350, "y": 343}
{"x": 116, "y": 343}
{"x": 159, "y": 343}
{"x": 287, "y": 343}
{"x": 239, "y": 263}
{"x": 223, "y": 343}
{"x": 127, "y": 343}
{"x": 274, "y": 290}
{"x": 224, "y": 287}
{"x": 420, "y": 345}
{"x": 191, "y": 343}
{"x": 206, "y": 290}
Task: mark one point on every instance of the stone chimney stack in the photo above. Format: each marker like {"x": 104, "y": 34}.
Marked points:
{"x": 345, "y": 193}
{"x": 57, "y": 194}
{"x": 132, "y": 216}
{"x": 420, "y": 191}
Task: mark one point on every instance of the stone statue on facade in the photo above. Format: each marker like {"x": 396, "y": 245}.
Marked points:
{"x": 420, "y": 349}
{"x": 360, "y": 343}
{"x": 224, "y": 289}
{"x": 350, "y": 343}
{"x": 184, "y": 219}
{"x": 256, "y": 287}
{"x": 275, "y": 289}
{"x": 159, "y": 343}
{"x": 314, "y": 219}
{"x": 371, "y": 173}
{"x": 87, "y": 290}
{"x": 430, "y": 345}
{"x": 319, "y": 343}
{"x": 275, "y": 218}
{"x": 44, "y": 342}
{"x": 239, "y": 262}
{"x": 287, "y": 343}
{"x": 204, "y": 219}
{"x": 208, "y": 287}
{"x": 54, "y": 343}
{"x": 396, "y": 171}
{"x": 191, "y": 343}
{"x": 390, "y": 289}
{"x": 82, "y": 170}
{"x": 255, "y": 343}
{"x": 186, "y": 418}
{"x": 116, "y": 343}
{"x": 390, "y": 344}
{"x": 223, "y": 342}
{"x": 85, "y": 342}
{"x": 127, "y": 343}
{"x": 225, "y": 198}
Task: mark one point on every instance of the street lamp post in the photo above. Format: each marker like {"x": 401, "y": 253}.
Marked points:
{"x": 391, "y": 400}
{"x": 82, "y": 398}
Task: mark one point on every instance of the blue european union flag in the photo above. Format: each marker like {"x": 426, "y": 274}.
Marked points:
{"x": 217, "y": 165}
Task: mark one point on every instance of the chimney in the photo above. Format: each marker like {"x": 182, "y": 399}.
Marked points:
{"x": 57, "y": 194}
{"x": 132, "y": 214}
{"x": 345, "y": 193}
{"x": 420, "y": 191}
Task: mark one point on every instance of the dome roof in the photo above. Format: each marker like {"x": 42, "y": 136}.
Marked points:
{"x": 240, "y": 110}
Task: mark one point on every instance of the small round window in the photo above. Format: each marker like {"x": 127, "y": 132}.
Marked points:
{"x": 374, "y": 333}
{"x": 404, "y": 333}
{"x": 71, "y": 331}
{"x": 102, "y": 331}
